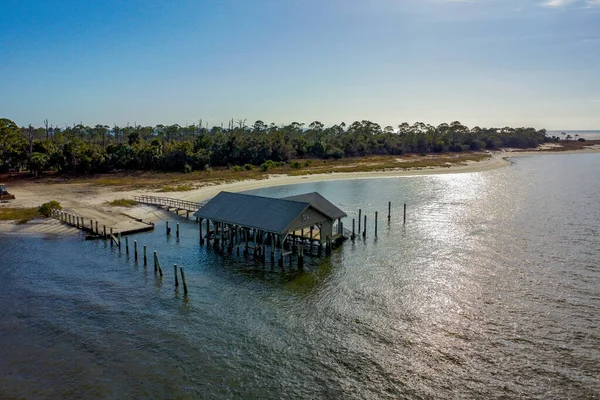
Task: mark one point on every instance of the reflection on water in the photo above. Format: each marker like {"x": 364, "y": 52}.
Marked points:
{"x": 489, "y": 290}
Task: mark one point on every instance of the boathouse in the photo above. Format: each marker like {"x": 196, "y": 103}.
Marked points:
{"x": 265, "y": 224}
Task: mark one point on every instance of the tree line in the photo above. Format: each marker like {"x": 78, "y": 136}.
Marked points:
{"x": 84, "y": 149}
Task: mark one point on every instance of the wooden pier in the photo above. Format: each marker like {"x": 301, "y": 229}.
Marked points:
{"x": 169, "y": 203}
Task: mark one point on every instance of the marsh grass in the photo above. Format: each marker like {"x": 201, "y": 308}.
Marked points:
{"x": 179, "y": 188}
{"x": 123, "y": 203}
{"x": 177, "y": 182}
{"x": 21, "y": 215}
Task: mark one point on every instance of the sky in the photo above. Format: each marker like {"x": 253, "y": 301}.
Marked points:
{"x": 481, "y": 62}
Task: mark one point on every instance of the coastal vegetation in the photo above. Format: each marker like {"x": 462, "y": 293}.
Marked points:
{"x": 46, "y": 208}
{"x": 123, "y": 203}
{"x": 22, "y": 215}
{"x": 241, "y": 149}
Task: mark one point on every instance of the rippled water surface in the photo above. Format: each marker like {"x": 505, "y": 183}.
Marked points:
{"x": 491, "y": 289}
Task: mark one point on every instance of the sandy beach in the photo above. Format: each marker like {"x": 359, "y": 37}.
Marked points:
{"x": 91, "y": 202}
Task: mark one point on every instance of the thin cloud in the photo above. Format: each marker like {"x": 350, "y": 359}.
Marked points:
{"x": 565, "y": 3}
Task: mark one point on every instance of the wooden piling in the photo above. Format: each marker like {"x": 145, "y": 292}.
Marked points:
{"x": 375, "y": 224}
{"x": 111, "y": 236}
{"x": 135, "y": 252}
{"x": 301, "y": 257}
{"x": 127, "y": 245}
{"x": 405, "y": 213}
{"x": 92, "y": 226}
{"x": 168, "y": 229}
{"x": 365, "y": 228}
{"x": 157, "y": 266}
{"x": 353, "y": 232}
{"x": 272, "y": 248}
{"x": 104, "y": 230}
{"x": 77, "y": 222}
{"x": 97, "y": 231}
{"x": 178, "y": 230}
{"x": 119, "y": 239}
{"x": 207, "y": 231}
{"x": 176, "y": 276}
{"x": 185, "y": 290}
{"x": 200, "y": 231}
{"x": 389, "y": 210}
{"x": 359, "y": 219}
{"x": 145, "y": 256}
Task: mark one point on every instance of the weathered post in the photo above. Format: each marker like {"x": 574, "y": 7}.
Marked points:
{"x": 104, "y": 230}
{"x": 119, "y": 239}
{"x": 92, "y": 225}
{"x": 200, "y": 230}
{"x": 158, "y": 265}
{"x": 155, "y": 262}
{"x": 97, "y": 231}
{"x": 111, "y": 237}
{"x": 127, "y": 245}
{"x": 365, "y": 228}
{"x": 359, "y": 218}
{"x": 389, "y": 210}
{"x": 405, "y": 213}
{"x": 77, "y": 222}
{"x": 375, "y": 224}
{"x": 272, "y": 249}
{"x": 176, "y": 275}
{"x": 281, "y": 244}
{"x": 135, "y": 253}
{"x": 145, "y": 256}
{"x": 353, "y": 232}
{"x": 301, "y": 257}
{"x": 207, "y": 231}
{"x": 168, "y": 229}
{"x": 185, "y": 290}
{"x": 178, "y": 230}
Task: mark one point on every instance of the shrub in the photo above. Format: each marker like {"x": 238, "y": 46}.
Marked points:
{"x": 46, "y": 208}
{"x": 296, "y": 165}
{"x": 237, "y": 168}
{"x": 307, "y": 163}
{"x": 248, "y": 167}
{"x": 123, "y": 203}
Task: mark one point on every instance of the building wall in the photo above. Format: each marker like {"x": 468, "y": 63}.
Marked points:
{"x": 309, "y": 218}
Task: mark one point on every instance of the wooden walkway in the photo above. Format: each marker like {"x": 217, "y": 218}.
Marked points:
{"x": 168, "y": 203}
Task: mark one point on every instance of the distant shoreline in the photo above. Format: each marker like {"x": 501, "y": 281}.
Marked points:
{"x": 90, "y": 201}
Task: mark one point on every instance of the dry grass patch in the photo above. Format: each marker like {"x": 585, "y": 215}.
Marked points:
{"x": 179, "y": 188}
{"x": 386, "y": 163}
{"x": 22, "y": 215}
{"x": 178, "y": 182}
{"x": 123, "y": 203}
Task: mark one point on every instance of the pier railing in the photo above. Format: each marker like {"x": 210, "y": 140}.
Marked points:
{"x": 169, "y": 203}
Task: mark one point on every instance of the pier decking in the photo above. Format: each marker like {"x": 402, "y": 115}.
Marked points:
{"x": 170, "y": 203}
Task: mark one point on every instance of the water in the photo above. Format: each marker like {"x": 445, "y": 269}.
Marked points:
{"x": 491, "y": 289}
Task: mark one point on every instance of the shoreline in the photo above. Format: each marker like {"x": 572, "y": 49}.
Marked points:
{"x": 91, "y": 201}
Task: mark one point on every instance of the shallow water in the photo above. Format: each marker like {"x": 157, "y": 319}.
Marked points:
{"x": 491, "y": 289}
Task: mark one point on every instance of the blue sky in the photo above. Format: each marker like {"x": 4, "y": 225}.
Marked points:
{"x": 482, "y": 62}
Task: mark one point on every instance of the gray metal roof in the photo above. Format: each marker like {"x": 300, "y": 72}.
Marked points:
{"x": 263, "y": 213}
{"x": 320, "y": 204}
